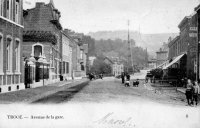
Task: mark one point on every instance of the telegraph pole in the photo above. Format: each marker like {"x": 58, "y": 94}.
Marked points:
{"x": 130, "y": 58}
{"x": 197, "y": 60}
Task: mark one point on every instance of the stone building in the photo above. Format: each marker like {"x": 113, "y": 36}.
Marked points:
{"x": 11, "y": 30}
{"x": 67, "y": 56}
{"x": 79, "y": 54}
{"x": 42, "y": 40}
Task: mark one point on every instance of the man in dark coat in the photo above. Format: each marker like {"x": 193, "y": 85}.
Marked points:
{"x": 122, "y": 76}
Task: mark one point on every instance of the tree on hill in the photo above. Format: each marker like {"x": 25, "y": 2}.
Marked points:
{"x": 109, "y": 47}
{"x": 100, "y": 66}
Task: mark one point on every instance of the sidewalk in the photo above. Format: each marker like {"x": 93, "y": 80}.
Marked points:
{"x": 33, "y": 94}
{"x": 181, "y": 90}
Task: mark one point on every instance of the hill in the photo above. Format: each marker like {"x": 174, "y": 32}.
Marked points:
{"x": 150, "y": 41}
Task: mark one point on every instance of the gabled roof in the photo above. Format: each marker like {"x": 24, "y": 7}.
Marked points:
{"x": 173, "y": 41}
{"x": 106, "y": 58}
{"x": 185, "y": 19}
{"x": 197, "y": 8}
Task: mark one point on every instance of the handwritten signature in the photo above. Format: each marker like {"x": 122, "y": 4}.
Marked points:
{"x": 109, "y": 119}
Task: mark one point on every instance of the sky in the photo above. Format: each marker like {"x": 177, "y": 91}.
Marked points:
{"x": 146, "y": 16}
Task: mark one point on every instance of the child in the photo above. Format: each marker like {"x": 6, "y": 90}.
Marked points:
{"x": 196, "y": 92}
{"x": 189, "y": 93}
{"x": 127, "y": 83}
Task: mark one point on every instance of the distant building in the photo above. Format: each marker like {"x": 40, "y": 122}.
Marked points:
{"x": 108, "y": 61}
{"x": 11, "y": 31}
{"x": 162, "y": 55}
{"x": 151, "y": 64}
{"x": 117, "y": 68}
{"x": 116, "y": 65}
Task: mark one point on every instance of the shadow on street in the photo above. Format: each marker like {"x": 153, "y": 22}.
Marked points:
{"x": 62, "y": 96}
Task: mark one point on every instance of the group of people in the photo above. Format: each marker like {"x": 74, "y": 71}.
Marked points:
{"x": 93, "y": 76}
{"x": 192, "y": 91}
{"x": 126, "y": 80}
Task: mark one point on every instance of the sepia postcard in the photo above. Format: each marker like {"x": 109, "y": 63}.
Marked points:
{"x": 99, "y": 64}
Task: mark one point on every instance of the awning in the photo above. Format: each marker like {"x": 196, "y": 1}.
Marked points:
{"x": 174, "y": 61}
{"x": 162, "y": 65}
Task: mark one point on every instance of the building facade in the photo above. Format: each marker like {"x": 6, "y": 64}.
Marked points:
{"x": 42, "y": 40}
{"x": 79, "y": 54}
{"x": 151, "y": 64}
{"x": 183, "y": 48}
{"x": 66, "y": 57}
{"x": 117, "y": 68}
{"x": 11, "y": 30}
{"x": 162, "y": 55}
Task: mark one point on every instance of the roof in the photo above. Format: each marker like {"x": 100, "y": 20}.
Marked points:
{"x": 173, "y": 41}
{"x": 39, "y": 36}
{"x": 41, "y": 17}
{"x": 185, "y": 19}
{"x": 106, "y": 58}
{"x": 197, "y": 8}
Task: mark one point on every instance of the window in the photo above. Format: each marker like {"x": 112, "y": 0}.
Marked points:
{"x": 1, "y": 54}
{"x": 9, "y": 55}
{"x": 1, "y": 7}
{"x": 17, "y": 11}
{"x": 8, "y": 9}
{"x": 64, "y": 69}
{"x": 17, "y": 56}
{"x": 81, "y": 55}
{"x": 37, "y": 50}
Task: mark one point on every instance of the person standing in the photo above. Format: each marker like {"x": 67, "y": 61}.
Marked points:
{"x": 196, "y": 91}
{"x": 122, "y": 76}
{"x": 188, "y": 92}
{"x": 128, "y": 77}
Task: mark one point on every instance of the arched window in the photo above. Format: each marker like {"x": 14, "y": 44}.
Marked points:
{"x": 9, "y": 54}
{"x": 17, "y": 55}
{"x": 37, "y": 50}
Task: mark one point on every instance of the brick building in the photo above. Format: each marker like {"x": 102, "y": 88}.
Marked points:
{"x": 182, "y": 50}
{"x": 42, "y": 38}
{"x": 11, "y": 30}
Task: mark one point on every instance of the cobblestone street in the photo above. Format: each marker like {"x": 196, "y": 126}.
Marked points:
{"x": 111, "y": 90}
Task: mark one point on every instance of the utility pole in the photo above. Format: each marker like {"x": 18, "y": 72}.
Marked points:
{"x": 197, "y": 75}
{"x": 130, "y": 58}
